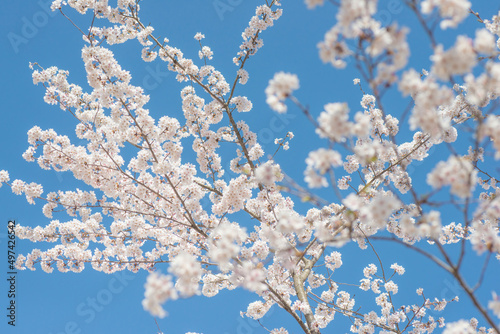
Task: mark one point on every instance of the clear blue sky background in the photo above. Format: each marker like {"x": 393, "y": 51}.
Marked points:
{"x": 93, "y": 302}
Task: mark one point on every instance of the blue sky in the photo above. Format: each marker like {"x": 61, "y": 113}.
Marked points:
{"x": 93, "y": 302}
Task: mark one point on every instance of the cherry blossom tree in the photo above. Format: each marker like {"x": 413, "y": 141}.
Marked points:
{"x": 201, "y": 228}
